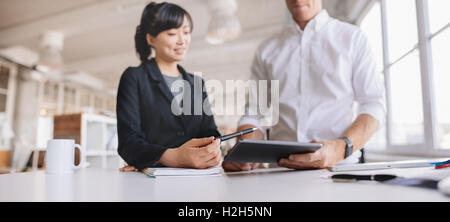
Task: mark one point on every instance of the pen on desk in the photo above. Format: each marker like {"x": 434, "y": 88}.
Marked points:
{"x": 442, "y": 166}
{"x": 233, "y": 135}
{"x": 353, "y": 177}
{"x": 441, "y": 163}
{"x": 387, "y": 179}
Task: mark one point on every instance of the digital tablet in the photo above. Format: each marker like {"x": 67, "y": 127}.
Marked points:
{"x": 267, "y": 151}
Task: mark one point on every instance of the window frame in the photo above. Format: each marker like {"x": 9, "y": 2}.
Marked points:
{"x": 430, "y": 147}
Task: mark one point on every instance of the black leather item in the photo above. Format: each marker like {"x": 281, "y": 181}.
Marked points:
{"x": 145, "y": 122}
{"x": 348, "y": 147}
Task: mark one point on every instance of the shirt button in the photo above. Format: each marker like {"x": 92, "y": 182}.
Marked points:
{"x": 180, "y": 133}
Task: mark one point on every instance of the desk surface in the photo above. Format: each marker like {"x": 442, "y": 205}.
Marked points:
{"x": 274, "y": 184}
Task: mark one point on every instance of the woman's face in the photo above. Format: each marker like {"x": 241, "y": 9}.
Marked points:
{"x": 172, "y": 45}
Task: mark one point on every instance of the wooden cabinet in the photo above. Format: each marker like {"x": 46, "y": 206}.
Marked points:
{"x": 67, "y": 127}
{"x": 97, "y": 134}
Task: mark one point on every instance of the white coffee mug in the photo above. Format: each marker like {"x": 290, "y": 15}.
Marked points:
{"x": 60, "y": 156}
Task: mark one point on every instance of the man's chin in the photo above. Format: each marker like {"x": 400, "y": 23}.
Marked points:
{"x": 304, "y": 16}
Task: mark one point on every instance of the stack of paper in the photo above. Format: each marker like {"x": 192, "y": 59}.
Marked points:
{"x": 168, "y": 171}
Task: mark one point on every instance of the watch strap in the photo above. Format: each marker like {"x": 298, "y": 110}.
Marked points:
{"x": 348, "y": 147}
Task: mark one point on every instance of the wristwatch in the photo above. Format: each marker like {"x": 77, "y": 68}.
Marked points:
{"x": 348, "y": 146}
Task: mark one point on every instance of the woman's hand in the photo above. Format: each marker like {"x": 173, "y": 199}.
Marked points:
{"x": 196, "y": 153}
{"x": 128, "y": 169}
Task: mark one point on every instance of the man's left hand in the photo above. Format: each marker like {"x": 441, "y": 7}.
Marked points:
{"x": 330, "y": 154}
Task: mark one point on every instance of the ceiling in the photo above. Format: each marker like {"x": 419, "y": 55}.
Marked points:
{"x": 99, "y": 34}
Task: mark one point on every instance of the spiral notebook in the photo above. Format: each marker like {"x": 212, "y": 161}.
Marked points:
{"x": 181, "y": 172}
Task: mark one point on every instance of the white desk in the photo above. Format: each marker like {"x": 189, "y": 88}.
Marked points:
{"x": 276, "y": 184}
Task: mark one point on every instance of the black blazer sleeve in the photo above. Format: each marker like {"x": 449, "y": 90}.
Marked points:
{"x": 208, "y": 125}
{"x": 133, "y": 147}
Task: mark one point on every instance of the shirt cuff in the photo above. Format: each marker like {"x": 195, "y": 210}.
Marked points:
{"x": 374, "y": 110}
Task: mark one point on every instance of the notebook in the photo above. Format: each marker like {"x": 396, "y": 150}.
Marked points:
{"x": 169, "y": 171}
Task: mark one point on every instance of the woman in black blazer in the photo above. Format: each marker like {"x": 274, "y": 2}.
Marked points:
{"x": 151, "y": 133}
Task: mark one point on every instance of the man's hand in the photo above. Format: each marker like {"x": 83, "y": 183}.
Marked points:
{"x": 333, "y": 151}
{"x": 329, "y": 155}
{"x": 235, "y": 166}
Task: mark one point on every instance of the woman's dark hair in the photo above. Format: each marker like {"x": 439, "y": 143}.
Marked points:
{"x": 155, "y": 19}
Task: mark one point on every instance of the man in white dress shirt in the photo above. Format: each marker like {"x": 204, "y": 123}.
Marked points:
{"x": 323, "y": 66}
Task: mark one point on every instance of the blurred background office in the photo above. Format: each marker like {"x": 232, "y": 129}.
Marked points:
{"x": 61, "y": 61}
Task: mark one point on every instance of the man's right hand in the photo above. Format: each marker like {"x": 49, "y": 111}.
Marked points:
{"x": 235, "y": 166}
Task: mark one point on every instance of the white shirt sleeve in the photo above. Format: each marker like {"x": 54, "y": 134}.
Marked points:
{"x": 258, "y": 72}
{"x": 367, "y": 82}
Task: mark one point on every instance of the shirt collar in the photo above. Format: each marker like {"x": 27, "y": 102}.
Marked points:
{"x": 316, "y": 23}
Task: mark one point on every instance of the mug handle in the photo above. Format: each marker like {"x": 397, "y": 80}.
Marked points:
{"x": 81, "y": 164}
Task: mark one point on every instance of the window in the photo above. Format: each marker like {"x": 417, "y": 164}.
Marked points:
{"x": 99, "y": 103}
{"x": 69, "y": 100}
{"x": 49, "y": 107}
{"x": 439, "y": 18}
{"x": 410, "y": 126}
{"x": 371, "y": 26}
{"x": 406, "y": 101}
{"x": 4, "y": 79}
{"x": 111, "y": 106}
{"x": 439, "y": 11}
{"x": 401, "y": 27}
{"x": 404, "y": 75}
